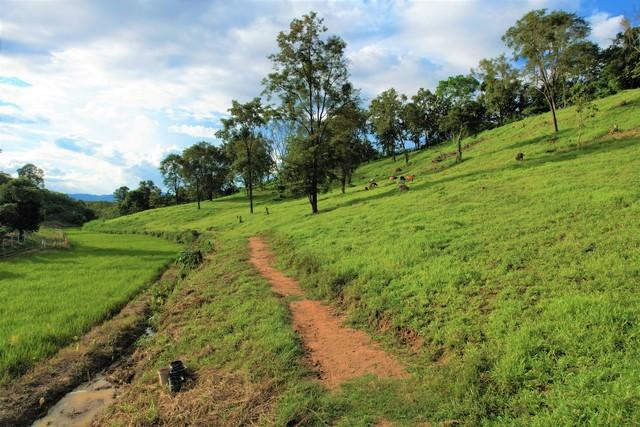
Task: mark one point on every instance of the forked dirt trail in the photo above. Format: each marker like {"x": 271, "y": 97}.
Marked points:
{"x": 338, "y": 352}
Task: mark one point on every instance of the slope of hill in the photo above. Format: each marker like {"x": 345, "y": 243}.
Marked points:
{"x": 509, "y": 288}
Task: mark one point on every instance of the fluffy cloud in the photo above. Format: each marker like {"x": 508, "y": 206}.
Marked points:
{"x": 102, "y": 91}
{"x": 605, "y": 27}
{"x": 196, "y": 131}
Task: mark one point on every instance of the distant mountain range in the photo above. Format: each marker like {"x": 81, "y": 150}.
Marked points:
{"x": 92, "y": 197}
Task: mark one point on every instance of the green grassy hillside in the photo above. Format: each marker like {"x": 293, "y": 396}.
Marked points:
{"x": 50, "y": 298}
{"x": 517, "y": 282}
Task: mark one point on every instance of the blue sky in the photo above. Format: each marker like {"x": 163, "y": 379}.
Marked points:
{"x": 96, "y": 93}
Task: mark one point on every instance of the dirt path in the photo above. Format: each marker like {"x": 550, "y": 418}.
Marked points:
{"x": 338, "y": 352}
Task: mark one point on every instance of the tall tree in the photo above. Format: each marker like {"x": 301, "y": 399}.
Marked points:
{"x": 348, "y": 140}
{"x": 120, "y": 194}
{"x": 33, "y": 174}
{"x": 311, "y": 79}
{"x": 172, "y": 174}
{"x": 20, "y": 205}
{"x": 545, "y": 42}
{"x": 502, "y": 90}
{"x": 248, "y": 149}
{"x": 463, "y": 119}
{"x": 386, "y": 116}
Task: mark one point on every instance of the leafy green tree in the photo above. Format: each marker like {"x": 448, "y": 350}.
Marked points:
{"x": 33, "y": 174}
{"x": 172, "y": 173}
{"x": 457, "y": 89}
{"x": 311, "y": 78}
{"x": 249, "y": 151}
{"x": 20, "y": 205}
{"x": 546, "y": 42}
{"x": 502, "y": 90}
{"x": 348, "y": 140}
{"x": 386, "y": 115}
{"x": 120, "y": 194}
{"x": 622, "y": 59}
{"x": 466, "y": 117}
{"x": 205, "y": 169}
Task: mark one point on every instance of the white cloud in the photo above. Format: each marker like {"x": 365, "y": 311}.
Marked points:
{"x": 604, "y": 27}
{"x": 139, "y": 81}
{"x": 197, "y": 131}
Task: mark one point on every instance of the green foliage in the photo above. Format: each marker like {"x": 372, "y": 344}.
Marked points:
{"x": 171, "y": 168}
{"x": 502, "y": 90}
{"x": 311, "y": 78}
{"x": 20, "y": 205}
{"x": 246, "y": 147}
{"x": 548, "y": 43}
{"x": 33, "y": 174}
{"x": 61, "y": 209}
{"x": 50, "y": 298}
{"x": 386, "y": 115}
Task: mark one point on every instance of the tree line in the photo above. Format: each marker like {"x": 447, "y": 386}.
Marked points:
{"x": 310, "y": 128}
{"x": 25, "y": 203}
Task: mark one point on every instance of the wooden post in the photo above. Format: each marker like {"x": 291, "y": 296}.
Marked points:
{"x": 267, "y": 209}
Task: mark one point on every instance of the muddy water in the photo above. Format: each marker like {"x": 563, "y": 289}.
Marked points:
{"x": 79, "y": 407}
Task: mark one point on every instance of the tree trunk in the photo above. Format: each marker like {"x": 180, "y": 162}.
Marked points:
{"x": 406, "y": 154}
{"x": 198, "y": 192}
{"x": 552, "y": 104}
{"x": 177, "y": 189}
{"x": 250, "y": 179}
{"x": 343, "y": 181}
{"x": 459, "y": 154}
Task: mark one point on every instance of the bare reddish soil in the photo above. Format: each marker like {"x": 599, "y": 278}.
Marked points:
{"x": 339, "y": 353}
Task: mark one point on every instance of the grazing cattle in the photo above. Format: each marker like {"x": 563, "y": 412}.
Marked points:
{"x": 393, "y": 178}
{"x": 398, "y": 170}
{"x": 410, "y": 178}
{"x": 520, "y": 157}
{"x": 403, "y": 187}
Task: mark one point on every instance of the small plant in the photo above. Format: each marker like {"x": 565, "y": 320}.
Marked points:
{"x": 188, "y": 260}
{"x": 585, "y": 110}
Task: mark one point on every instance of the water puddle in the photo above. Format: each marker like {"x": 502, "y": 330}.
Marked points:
{"x": 78, "y": 407}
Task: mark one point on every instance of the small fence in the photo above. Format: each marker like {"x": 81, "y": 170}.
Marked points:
{"x": 13, "y": 244}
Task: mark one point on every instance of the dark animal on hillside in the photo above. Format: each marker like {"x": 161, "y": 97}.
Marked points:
{"x": 520, "y": 157}
{"x": 398, "y": 170}
{"x": 371, "y": 185}
{"x": 393, "y": 178}
{"x": 402, "y": 179}
{"x": 403, "y": 187}
{"x": 410, "y": 178}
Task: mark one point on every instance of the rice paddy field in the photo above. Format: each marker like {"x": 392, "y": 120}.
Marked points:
{"x": 49, "y": 298}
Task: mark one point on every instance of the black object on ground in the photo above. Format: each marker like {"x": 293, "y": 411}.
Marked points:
{"x": 177, "y": 375}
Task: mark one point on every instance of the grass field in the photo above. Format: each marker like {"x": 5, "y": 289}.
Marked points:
{"x": 49, "y": 298}
{"x": 517, "y": 281}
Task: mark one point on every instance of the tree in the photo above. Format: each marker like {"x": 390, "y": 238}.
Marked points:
{"x": 311, "y": 79}
{"x": 622, "y": 59}
{"x": 463, "y": 119}
{"x": 545, "y": 41}
{"x": 386, "y": 116}
{"x": 205, "y": 169}
{"x": 248, "y": 149}
{"x": 120, "y": 194}
{"x": 33, "y": 174}
{"x": 172, "y": 173}
{"x": 348, "y": 140}
{"x": 502, "y": 90}
{"x": 20, "y": 205}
